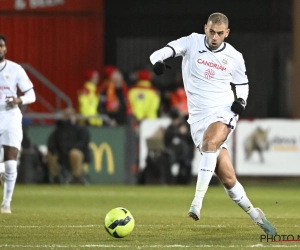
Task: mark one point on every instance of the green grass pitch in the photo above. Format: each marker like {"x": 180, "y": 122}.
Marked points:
{"x": 71, "y": 217}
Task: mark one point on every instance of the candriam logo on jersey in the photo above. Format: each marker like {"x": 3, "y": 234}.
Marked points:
{"x": 211, "y": 64}
{"x": 4, "y": 88}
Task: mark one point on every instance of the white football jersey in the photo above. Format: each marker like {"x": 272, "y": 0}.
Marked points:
{"x": 208, "y": 74}
{"x": 12, "y": 76}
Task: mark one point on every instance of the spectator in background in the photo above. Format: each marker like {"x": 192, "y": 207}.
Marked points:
{"x": 178, "y": 99}
{"x": 88, "y": 98}
{"x": 144, "y": 98}
{"x": 180, "y": 146}
{"x": 114, "y": 97}
{"x": 33, "y": 167}
{"x": 68, "y": 146}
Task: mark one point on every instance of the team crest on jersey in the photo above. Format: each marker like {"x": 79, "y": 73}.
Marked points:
{"x": 209, "y": 73}
{"x": 225, "y": 61}
{"x": 6, "y": 76}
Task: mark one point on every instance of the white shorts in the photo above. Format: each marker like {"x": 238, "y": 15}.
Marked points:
{"x": 11, "y": 133}
{"x": 224, "y": 115}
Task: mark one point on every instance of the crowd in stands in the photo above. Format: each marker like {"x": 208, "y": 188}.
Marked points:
{"x": 109, "y": 99}
{"x": 129, "y": 100}
{"x": 120, "y": 101}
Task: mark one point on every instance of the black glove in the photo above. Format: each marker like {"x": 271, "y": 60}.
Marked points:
{"x": 238, "y": 106}
{"x": 160, "y": 67}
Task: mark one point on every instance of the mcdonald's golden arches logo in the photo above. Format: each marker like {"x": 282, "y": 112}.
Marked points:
{"x": 98, "y": 156}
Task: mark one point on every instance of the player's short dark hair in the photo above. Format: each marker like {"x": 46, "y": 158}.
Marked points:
{"x": 3, "y": 38}
{"x": 218, "y": 18}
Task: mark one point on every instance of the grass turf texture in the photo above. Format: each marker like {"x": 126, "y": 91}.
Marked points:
{"x": 71, "y": 217}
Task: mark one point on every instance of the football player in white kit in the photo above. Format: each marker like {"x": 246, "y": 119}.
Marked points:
{"x": 210, "y": 69}
{"x": 12, "y": 77}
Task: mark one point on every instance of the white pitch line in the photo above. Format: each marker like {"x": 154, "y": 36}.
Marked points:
{"x": 89, "y": 226}
{"x": 66, "y": 226}
{"x": 99, "y": 226}
{"x": 138, "y": 225}
{"x": 150, "y": 246}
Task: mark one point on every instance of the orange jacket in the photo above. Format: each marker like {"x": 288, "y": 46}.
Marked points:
{"x": 178, "y": 100}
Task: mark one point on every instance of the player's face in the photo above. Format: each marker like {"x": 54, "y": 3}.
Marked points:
{"x": 215, "y": 34}
{"x": 2, "y": 50}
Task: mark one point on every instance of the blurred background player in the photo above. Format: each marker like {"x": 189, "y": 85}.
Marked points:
{"x": 144, "y": 98}
{"x": 12, "y": 77}
{"x": 68, "y": 147}
{"x": 88, "y": 98}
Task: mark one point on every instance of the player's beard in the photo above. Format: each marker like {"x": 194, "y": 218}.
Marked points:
{"x": 1, "y": 59}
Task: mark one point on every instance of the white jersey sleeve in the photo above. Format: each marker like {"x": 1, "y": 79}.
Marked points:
{"x": 242, "y": 91}
{"x": 161, "y": 55}
{"x": 180, "y": 46}
{"x": 175, "y": 48}
{"x": 239, "y": 75}
{"x": 23, "y": 80}
{"x": 28, "y": 97}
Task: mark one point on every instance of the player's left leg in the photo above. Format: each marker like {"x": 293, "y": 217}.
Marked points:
{"x": 2, "y": 170}
{"x": 10, "y": 176}
{"x": 2, "y": 166}
{"x": 225, "y": 171}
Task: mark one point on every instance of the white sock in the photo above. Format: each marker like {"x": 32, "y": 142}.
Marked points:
{"x": 238, "y": 195}
{"x": 206, "y": 170}
{"x": 10, "y": 177}
{"x": 2, "y": 167}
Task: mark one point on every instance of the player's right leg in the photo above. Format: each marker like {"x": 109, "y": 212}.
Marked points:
{"x": 10, "y": 177}
{"x": 213, "y": 137}
{"x": 2, "y": 170}
{"x": 236, "y": 192}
